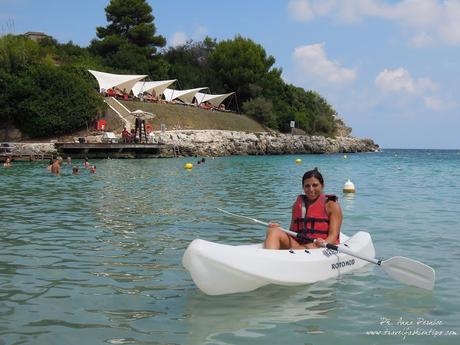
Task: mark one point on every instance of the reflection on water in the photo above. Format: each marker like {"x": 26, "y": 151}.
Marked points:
{"x": 348, "y": 202}
{"x": 212, "y": 318}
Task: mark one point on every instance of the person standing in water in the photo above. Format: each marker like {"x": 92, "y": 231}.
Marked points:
{"x": 86, "y": 163}
{"x": 316, "y": 216}
{"x": 7, "y": 163}
{"x": 56, "y": 166}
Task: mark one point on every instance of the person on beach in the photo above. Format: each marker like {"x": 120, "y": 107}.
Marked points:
{"x": 7, "y": 163}
{"x": 316, "y": 216}
{"x": 56, "y": 166}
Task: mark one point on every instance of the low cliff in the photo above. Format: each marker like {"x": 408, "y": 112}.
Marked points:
{"x": 226, "y": 143}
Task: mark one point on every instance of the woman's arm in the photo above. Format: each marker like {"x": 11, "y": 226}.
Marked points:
{"x": 335, "y": 221}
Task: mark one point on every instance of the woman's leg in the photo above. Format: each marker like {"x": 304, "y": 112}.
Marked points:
{"x": 278, "y": 239}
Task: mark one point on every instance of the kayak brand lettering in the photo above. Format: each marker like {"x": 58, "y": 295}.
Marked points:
{"x": 341, "y": 264}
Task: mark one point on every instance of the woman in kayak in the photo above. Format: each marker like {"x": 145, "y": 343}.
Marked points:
{"x": 316, "y": 216}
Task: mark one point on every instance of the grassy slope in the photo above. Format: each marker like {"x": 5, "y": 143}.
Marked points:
{"x": 176, "y": 116}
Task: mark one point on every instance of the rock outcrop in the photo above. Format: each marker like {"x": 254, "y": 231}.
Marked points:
{"x": 226, "y": 143}
{"x": 31, "y": 149}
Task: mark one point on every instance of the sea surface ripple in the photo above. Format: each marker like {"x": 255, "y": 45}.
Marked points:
{"x": 96, "y": 258}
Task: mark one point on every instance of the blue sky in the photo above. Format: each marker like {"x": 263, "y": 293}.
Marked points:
{"x": 390, "y": 68}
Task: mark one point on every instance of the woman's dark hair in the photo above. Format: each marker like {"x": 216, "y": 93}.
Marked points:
{"x": 313, "y": 173}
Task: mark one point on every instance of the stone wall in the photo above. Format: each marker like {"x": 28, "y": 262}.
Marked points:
{"x": 32, "y": 149}
{"x": 226, "y": 143}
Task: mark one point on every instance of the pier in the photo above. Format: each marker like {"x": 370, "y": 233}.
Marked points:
{"x": 113, "y": 150}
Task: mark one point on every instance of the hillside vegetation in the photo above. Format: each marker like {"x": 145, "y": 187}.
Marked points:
{"x": 47, "y": 90}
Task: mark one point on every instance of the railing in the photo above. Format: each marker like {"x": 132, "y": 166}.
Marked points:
{"x": 120, "y": 110}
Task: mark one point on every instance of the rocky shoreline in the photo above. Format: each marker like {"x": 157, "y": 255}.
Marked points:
{"x": 226, "y": 143}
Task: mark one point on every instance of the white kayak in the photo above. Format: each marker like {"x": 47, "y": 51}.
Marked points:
{"x": 219, "y": 269}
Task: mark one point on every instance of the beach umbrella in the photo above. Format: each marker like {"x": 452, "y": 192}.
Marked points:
{"x": 143, "y": 114}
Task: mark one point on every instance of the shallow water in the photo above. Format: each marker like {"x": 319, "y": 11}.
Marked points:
{"x": 96, "y": 259}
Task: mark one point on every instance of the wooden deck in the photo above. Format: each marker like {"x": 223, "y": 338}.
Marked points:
{"x": 112, "y": 150}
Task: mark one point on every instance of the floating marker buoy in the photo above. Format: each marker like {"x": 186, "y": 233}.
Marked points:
{"x": 345, "y": 157}
{"x": 348, "y": 187}
{"x": 298, "y": 161}
{"x": 188, "y": 166}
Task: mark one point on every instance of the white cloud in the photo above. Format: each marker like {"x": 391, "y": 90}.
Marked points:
{"x": 438, "y": 20}
{"x": 306, "y": 10}
{"x": 400, "y": 80}
{"x": 449, "y": 28}
{"x": 313, "y": 63}
{"x": 421, "y": 40}
{"x": 435, "y": 103}
{"x": 300, "y": 10}
{"x": 178, "y": 39}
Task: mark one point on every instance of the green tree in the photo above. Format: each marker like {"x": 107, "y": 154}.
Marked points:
{"x": 189, "y": 63}
{"x": 128, "y": 42}
{"x": 53, "y": 101}
{"x": 261, "y": 110}
{"x": 17, "y": 53}
{"x": 46, "y": 89}
{"x": 243, "y": 66}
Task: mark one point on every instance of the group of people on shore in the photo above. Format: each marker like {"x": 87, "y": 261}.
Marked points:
{"x": 152, "y": 97}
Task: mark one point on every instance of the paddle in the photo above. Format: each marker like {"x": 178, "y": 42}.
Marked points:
{"x": 292, "y": 233}
{"x": 402, "y": 269}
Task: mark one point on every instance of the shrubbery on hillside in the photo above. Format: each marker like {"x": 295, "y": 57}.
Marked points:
{"x": 39, "y": 96}
{"x": 52, "y": 93}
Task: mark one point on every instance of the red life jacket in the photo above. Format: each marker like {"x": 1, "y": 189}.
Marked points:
{"x": 312, "y": 221}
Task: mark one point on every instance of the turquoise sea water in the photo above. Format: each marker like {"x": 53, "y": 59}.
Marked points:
{"x": 96, "y": 259}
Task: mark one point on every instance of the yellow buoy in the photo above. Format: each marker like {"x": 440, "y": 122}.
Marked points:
{"x": 298, "y": 161}
{"x": 188, "y": 166}
{"x": 349, "y": 187}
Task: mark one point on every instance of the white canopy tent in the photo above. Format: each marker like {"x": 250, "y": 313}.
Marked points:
{"x": 147, "y": 86}
{"x": 109, "y": 80}
{"x": 215, "y": 100}
{"x": 143, "y": 114}
{"x": 185, "y": 96}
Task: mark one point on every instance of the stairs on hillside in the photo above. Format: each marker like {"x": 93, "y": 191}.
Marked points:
{"x": 123, "y": 112}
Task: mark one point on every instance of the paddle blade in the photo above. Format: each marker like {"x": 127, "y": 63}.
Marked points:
{"x": 410, "y": 272}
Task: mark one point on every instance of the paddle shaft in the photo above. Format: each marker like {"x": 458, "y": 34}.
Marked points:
{"x": 351, "y": 253}
{"x": 292, "y": 233}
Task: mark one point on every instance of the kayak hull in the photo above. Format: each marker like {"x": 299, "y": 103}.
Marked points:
{"x": 219, "y": 269}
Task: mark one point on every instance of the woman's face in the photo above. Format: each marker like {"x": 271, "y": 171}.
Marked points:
{"x": 312, "y": 188}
